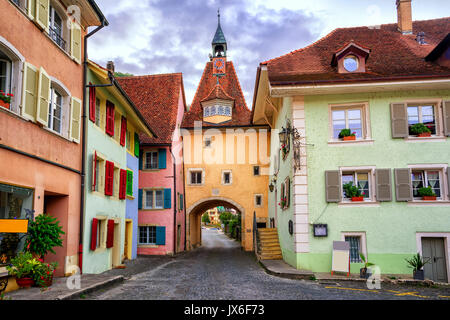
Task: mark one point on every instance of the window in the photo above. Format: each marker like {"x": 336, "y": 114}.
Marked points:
{"x": 351, "y": 63}
{"x": 55, "y": 111}
{"x": 424, "y": 179}
{"x": 151, "y": 160}
{"x": 208, "y": 142}
{"x": 56, "y": 28}
{"x": 147, "y": 235}
{"x": 355, "y": 248}
{"x": 359, "y": 179}
{"x": 226, "y": 177}
{"x": 258, "y": 200}
{"x": 22, "y": 4}
{"x": 196, "y": 177}
{"x": 349, "y": 118}
{"x": 256, "y": 171}
{"x": 5, "y": 73}
{"x": 97, "y": 112}
{"x": 154, "y": 199}
{"x": 422, "y": 114}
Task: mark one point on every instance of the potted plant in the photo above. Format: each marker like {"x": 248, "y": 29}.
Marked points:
{"x": 44, "y": 233}
{"x": 363, "y": 272}
{"x": 22, "y": 267}
{"x": 43, "y": 274}
{"x": 347, "y": 134}
{"x": 417, "y": 264}
{"x": 427, "y": 194}
{"x": 5, "y": 99}
{"x": 420, "y": 130}
{"x": 284, "y": 150}
{"x": 353, "y": 192}
{"x": 283, "y": 202}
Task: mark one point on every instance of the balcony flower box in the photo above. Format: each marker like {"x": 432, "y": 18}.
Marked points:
{"x": 429, "y": 198}
{"x": 5, "y": 99}
{"x": 424, "y": 134}
{"x": 5, "y": 104}
{"x": 357, "y": 199}
{"x": 349, "y": 138}
{"x": 420, "y": 130}
{"x": 347, "y": 135}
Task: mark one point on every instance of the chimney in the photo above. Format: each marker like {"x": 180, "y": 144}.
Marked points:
{"x": 404, "y": 16}
{"x": 110, "y": 66}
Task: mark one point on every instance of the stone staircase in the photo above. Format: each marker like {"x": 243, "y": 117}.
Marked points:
{"x": 268, "y": 244}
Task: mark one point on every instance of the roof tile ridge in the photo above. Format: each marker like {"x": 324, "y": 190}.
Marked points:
{"x": 150, "y": 76}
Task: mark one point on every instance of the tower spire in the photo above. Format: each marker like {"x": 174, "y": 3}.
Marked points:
{"x": 219, "y": 44}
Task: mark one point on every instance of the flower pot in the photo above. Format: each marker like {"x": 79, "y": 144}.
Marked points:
{"x": 429, "y": 198}
{"x": 365, "y": 273}
{"x": 424, "y": 134}
{"x": 25, "y": 282}
{"x": 357, "y": 199}
{"x": 419, "y": 275}
{"x": 348, "y": 138}
{"x": 47, "y": 282}
{"x": 4, "y": 104}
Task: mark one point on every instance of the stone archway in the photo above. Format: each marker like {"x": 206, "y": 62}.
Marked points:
{"x": 195, "y": 211}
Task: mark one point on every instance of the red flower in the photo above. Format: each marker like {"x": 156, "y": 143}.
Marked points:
{"x": 42, "y": 277}
{"x": 48, "y": 272}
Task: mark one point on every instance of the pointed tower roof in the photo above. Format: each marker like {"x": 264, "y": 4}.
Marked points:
{"x": 219, "y": 37}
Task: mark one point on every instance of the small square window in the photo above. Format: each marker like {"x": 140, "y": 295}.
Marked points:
{"x": 256, "y": 171}
{"x": 196, "y": 177}
{"x": 355, "y": 248}
{"x": 258, "y": 200}
{"x": 151, "y": 160}
{"x": 227, "y": 178}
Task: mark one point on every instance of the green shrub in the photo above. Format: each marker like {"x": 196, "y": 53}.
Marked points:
{"x": 351, "y": 190}
{"x": 419, "y": 128}
{"x": 346, "y": 133}
{"x": 23, "y": 265}
{"x": 44, "y": 233}
{"x": 426, "y": 192}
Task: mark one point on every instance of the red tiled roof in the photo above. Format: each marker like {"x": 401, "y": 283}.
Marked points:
{"x": 392, "y": 55}
{"x": 217, "y": 93}
{"x": 156, "y": 97}
{"x": 207, "y": 87}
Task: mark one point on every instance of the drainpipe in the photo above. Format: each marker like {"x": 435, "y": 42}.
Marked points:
{"x": 83, "y": 150}
{"x": 184, "y": 195}
{"x": 175, "y": 202}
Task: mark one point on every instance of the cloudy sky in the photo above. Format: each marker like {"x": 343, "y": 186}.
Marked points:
{"x": 165, "y": 36}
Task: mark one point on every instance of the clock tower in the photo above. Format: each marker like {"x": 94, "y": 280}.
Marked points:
{"x": 219, "y": 50}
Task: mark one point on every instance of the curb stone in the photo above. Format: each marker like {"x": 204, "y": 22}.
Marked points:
{"x": 77, "y": 293}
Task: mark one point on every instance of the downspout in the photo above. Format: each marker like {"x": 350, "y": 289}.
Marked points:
{"x": 83, "y": 149}
{"x": 184, "y": 195}
{"x": 175, "y": 202}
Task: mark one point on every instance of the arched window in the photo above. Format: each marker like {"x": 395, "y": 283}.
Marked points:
{"x": 5, "y": 73}
{"x": 55, "y": 110}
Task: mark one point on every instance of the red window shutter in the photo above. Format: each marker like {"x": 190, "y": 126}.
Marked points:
{"x": 94, "y": 234}
{"x": 123, "y": 184}
{"x": 110, "y": 236}
{"x": 94, "y": 171}
{"x": 92, "y": 103}
{"x": 109, "y": 178}
{"x": 123, "y": 131}
{"x": 109, "y": 118}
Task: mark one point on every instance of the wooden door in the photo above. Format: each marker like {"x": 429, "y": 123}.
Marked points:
{"x": 434, "y": 250}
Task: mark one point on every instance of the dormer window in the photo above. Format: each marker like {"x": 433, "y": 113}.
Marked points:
{"x": 351, "y": 63}
{"x": 351, "y": 58}
{"x": 217, "y": 110}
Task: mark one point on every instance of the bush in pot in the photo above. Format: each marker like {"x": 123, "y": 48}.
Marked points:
{"x": 427, "y": 193}
{"x": 347, "y": 134}
{"x": 421, "y": 130}
{"x": 353, "y": 192}
{"x": 23, "y": 267}
{"x": 43, "y": 274}
{"x": 363, "y": 272}
{"x": 417, "y": 263}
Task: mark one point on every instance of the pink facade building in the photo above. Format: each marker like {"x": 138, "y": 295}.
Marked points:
{"x": 161, "y": 221}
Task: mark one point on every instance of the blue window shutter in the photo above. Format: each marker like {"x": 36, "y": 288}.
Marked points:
{"x": 167, "y": 198}
{"x": 140, "y": 199}
{"x": 162, "y": 158}
{"x": 161, "y": 236}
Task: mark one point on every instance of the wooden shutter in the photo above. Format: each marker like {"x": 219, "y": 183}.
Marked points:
{"x": 448, "y": 181}
{"x": 94, "y": 234}
{"x": 403, "y": 188}
{"x": 92, "y": 98}
{"x": 140, "y": 199}
{"x": 333, "y": 186}
{"x": 42, "y": 14}
{"x": 162, "y": 158}
{"x": 129, "y": 183}
{"x": 110, "y": 234}
{"x": 109, "y": 118}
{"x": 123, "y": 184}
{"x": 446, "y": 109}
{"x": 288, "y": 191}
{"x": 30, "y": 91}
{"x": 123, "y": 131}
{"x": 136, "y": 144}
{"x": 399, "y": 120}
{"x": 167, "y": 198}
{"x": 43, "y": 101}
{"x": 94, "y": 170}
{"x": 141, "y": 159}
{"x": 383, "y": 179}
{"x": 75, "y": 119}
{"x": 161, "y": 236}
{"x": 31, "y": 10}
{"x": 109, "y": 178}
{"x": 75, "y": 42}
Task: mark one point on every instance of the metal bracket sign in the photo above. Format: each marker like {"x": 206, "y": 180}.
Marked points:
{"x": 13, "y": 225}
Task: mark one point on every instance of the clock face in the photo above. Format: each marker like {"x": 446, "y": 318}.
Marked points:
{"x": 218, "y": 64}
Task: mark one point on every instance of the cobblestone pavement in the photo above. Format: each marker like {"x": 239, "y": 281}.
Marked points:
{"x": 220, "y": 270}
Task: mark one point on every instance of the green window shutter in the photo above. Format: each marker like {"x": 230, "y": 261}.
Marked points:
{"x": 43, "y": 100}
{"x": 75, "y": 120}
{"x": 136, "y": 145}
{"x": 75, "y": 42}
{"x": 161, "y": 236}
{"x": 129, "y": 183}
{"x": 30, "y": 91}
{"x": 167, "y": 198}
{"x": 162, "y": 159}
{"x": 42, "y": 14}
{"x": 333, "y": 186}
{"x": 140, "y": 199}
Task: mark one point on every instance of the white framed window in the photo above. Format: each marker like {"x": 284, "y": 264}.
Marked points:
{"x": 425, "y": 114}
{"x": 101, "y": 232}
{"x": 227, "y": 178}
{"x": 147, "y": 234}
{"x": 360, "y": 179}
{"x": 196, "y": 176}
{"x": 55, "y": 111}
{"x": 352, "y": 116}
{"x": 5, "y": 73}
{"x": 154, "y": 199}
{"x": 151, "y": 160}
{"x": 357, "y": 242}
{"x": 427, "y": 178}
{"x": 97, "y": 112}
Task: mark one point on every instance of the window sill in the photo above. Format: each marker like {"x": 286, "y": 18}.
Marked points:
{"x": 195, "y": 185}
{"x": 156, "y": 209}
{"x": 148, "y": 246}
{"x": 358, "y": 204}
{"x": 56, "y": 134}
{"x": 130, "y": 197}
{"x": 150, "y": 170}
{"x": 350, "y": 142}
{"x": 422, "y": 139}
{"x": 434, "y": 203}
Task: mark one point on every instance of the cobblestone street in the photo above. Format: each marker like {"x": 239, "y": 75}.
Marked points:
{"x": 219, "y": 270}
